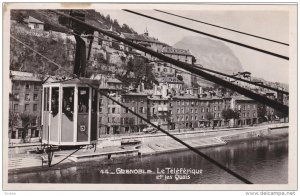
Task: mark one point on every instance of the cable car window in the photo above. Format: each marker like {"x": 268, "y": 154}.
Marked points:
{"x": 46, "y": 99}
{"x": 54, "y": 100}
{"x": 68, "y": 102}
{"x": 83, "y": 99}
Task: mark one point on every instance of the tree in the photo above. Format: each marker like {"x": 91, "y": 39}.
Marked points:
{"x": 228, "y": 114}
{"x": 27, "y": 120}
{"x": 261, "y": 112}
{"x": 20, "y": 17}
{"x": 236, "y": 116}
{"x": 142, "y": 73}
{"x": 209, "y": 117}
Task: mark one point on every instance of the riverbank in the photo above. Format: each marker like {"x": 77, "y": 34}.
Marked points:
{"x": 111, "y": 149}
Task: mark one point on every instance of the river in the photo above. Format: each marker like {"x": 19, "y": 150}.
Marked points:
{"x": 260, "y": 161}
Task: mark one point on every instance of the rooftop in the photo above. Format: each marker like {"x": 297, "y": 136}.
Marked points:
{"x": 114, "y": 80}
{"x": 30, "y": 19}
{"x": 242, "y": 98}
{"x": 135, "y": 94}
{"x": 24, "y": 76}
{"x": 170, "y": 80}
{"x": 171, "y": 50}
{"x": 141, "y": 37}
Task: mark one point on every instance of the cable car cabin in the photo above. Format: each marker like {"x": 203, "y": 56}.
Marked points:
{"x": 69, "y": 113}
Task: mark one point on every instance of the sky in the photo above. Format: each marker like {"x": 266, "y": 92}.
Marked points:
{"x": 270, "y": 24}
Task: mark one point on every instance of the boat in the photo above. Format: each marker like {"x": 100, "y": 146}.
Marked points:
{"x": 131, "y": 143}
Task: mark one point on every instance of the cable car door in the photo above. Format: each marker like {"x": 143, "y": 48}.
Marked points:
{"x": 83, "y": 114}
{"x": 46, "y": 126}
{"x": 54, "y": 114}
{"x": 67, "y": 120}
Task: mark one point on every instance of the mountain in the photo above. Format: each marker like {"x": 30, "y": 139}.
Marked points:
{"x": 211, "y": 54}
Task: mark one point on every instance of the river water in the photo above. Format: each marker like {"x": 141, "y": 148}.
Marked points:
{"x": 260, "y": 161}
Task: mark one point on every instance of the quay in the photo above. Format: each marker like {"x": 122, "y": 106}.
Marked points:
{"x": 110, "y": 148}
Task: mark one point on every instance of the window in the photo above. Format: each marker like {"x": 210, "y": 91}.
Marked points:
{"x": 113, "y": 110}
{"x": 16, "y": 107}
{"x": 108, "y": 110}
{"x": 218, "y": 115}
{"x": 196, "y": 117}
{"x": 202, "y": 109}
{"x": 202, "y": 117}
{"x": 158, "y": 69}
{"x": 178, "y": 102}
{"x": 187, "y": 103}
{"x": 113, "y": 119}
{"x": 35, "y": 97}
{"x": 182, "y": 103}
{"x": 27, "y": 86}
{"x": 16, "y": 96}
{"x": 192, "y": 111}
{"x": 254, "y": 114}
{"x": 26, "y": 107}
{"x": 55, "y": 100}
{"x": 215, "y": 108}
{"x": 27, "y": 97}
{"x": 207, "y": 109}
{"x": 178, "y": 111}
{"x": 46, "y": 99}
{"x": 187, "y": 118}
{"x": 68, "y": 101}
{"x": 196, "y": 111}
{"x": 182, "y": 110}
{"x": 141, "y": 109}
{"x": 36, "y": 87}
{"x": 248, "y": 107}
{"x": 34, "y": 107}
{"x": 108, "y": 119}
{"x": 16, "y": 85}
{"x": 100, "y": 109}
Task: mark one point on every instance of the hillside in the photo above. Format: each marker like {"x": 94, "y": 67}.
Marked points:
{"x": 51, "y": 20}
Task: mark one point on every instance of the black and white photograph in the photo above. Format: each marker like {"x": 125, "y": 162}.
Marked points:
{"x": 177, "y": 96}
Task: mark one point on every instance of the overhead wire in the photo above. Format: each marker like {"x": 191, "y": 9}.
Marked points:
{"x": 210, "y": 35}
{"x": 188, "y": 67}
{"x": 230, "y": 76}
{"x": 206, "y": 69}
{"x": 143, "y": 118}
{"x": 221, "y": 27}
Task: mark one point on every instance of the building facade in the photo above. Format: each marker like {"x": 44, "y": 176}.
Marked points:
{"x": 25, "y": 102}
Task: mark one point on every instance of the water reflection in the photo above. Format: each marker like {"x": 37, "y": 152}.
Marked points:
{"x": 260, "y": 161}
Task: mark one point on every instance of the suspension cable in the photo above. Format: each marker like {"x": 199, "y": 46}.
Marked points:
{"x": 143, "y": 118}
{"x": 188, "y": 67}
{"x": 202, "y": 68}
{"x": 230, "y": 76}
{"x": 211, "y": 35}
{"x": 218, "y": 26}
